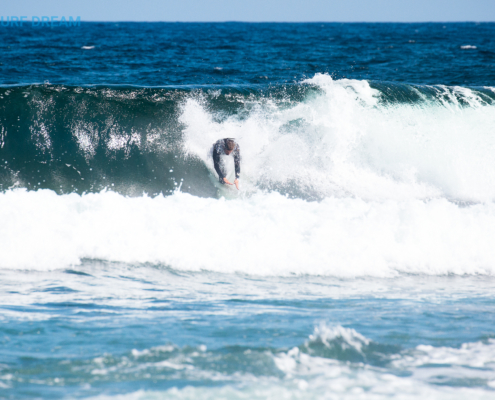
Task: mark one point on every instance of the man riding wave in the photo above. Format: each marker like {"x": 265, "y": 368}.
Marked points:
{"x": 226, "y": 146}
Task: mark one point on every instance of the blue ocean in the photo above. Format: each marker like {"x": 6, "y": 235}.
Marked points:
{"x": 357, "y": 260}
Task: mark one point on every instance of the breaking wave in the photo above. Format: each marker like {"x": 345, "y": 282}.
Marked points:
{"x": 315, "y": 139}
{"x": 402, "y": 176}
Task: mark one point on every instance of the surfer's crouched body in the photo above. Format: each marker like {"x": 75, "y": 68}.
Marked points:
{"x": 227, "y": 146}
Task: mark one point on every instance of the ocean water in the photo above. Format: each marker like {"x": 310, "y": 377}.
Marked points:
{"x": 356, "y": 262}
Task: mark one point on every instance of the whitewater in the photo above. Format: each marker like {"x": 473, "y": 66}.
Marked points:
{"x": 356, "y": 262}
{"x": 409, "y": 185}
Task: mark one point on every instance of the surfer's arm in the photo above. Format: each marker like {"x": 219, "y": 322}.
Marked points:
{"x": 237, "y": 162}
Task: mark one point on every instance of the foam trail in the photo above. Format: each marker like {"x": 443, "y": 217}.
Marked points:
{"x": 267, "y": 234}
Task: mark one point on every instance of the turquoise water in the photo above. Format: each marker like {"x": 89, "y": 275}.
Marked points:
{"x": 356, "y": 262}
{"x": 152, "y": 332}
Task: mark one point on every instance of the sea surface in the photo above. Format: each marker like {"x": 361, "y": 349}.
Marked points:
{"x": 356, "y": 262}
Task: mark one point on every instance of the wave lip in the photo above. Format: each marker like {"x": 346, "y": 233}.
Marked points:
{"x": 337, "y": 343}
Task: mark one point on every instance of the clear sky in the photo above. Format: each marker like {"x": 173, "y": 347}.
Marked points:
{"x": 256, "y": 10}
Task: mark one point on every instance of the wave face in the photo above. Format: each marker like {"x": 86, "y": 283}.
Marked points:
{"x": 75, "y": 140}
{"x": 316, "y": 139}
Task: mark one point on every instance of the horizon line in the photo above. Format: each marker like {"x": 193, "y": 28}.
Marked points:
{"x": 299, "y": 22}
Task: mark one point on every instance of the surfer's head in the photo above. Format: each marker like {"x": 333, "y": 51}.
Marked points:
{"x": 229, "y": 146}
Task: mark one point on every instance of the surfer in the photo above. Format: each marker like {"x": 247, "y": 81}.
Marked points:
{"x": 226, "y": 146}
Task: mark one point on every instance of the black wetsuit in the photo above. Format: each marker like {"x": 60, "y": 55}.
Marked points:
{"x": 218, "y": 150}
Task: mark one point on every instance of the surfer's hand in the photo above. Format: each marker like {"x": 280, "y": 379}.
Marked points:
{"x": 236, "y": 183}
{"x": 227, "y": 181}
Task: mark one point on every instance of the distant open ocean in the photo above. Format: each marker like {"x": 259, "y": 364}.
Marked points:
{"x": 356, "y": 262}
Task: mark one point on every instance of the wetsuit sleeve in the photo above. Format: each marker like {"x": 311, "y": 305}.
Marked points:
{"x": 237, "y": 161}
{"x": 216, "y": 163}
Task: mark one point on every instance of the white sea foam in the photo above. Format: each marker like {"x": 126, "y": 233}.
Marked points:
{"x": 345, "y": 142}
{"x": 306, "y": 376}
{"x": 472, "y": 361}
{"x": 347, "y": 337}
{"x": 472, "y": 355}
{"x": 406, "y": 390}
{"x": 266, "y": 234}
{"x": 299, "y": 375}
{"x": 391, "y": 178}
